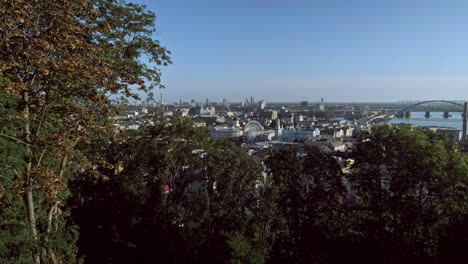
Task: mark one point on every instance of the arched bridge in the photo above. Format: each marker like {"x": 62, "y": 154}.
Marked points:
{"x": 464, "y": 106}
{"x": 425, "y": 102}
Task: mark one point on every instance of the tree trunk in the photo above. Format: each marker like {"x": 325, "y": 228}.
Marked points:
{"x": 29, "y": 181}
{"x": 52, "y": 211}
{"x": 32, "y": 222}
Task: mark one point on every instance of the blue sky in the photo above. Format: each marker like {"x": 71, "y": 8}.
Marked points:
{"x": 288, "y": 50}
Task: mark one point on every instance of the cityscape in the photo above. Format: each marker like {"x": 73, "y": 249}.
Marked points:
{"x": 331, "y": 127}
{"x": 233, "y": 132}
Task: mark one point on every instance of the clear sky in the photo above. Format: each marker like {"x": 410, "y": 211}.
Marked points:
{"x": 290, "y": 50}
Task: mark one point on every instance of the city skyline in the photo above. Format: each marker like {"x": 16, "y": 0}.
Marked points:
{"x": 203, "y": 100}
{"x": 391, "y": 92}
{"x": 286, "y": 50}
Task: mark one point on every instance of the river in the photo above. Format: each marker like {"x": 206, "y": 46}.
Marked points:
{"x": 436, "y": 119}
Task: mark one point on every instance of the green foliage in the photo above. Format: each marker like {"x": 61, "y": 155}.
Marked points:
{"x": 173, "y": 192}
{"x": 210, "y": 186}
{"x": 306, "y": 189}
{"x": 329, "y": 114}
{"x": 59, "y": 63}
{"x": 15, "y": 241}
{"x": 411, "y": 187}
{"x": 413, "y": 183}
{"x": 242, "y": 250}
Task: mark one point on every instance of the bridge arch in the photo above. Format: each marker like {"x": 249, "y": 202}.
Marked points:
{"x": 465, "y": 112}
{"x": 425, "y": 102}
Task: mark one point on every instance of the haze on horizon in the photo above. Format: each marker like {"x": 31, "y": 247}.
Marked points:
{"x": 291, "y": 50}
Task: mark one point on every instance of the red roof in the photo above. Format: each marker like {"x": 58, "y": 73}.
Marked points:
{"x": 166, "y": 188}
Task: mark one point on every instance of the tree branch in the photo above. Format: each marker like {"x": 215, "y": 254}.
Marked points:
{"x": 13, "y": 138}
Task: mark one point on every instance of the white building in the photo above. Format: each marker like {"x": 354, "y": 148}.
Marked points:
{"x": 262, "y": 104}
{"x": 209, "y": 110}
{"x": 168, "y": 113}
{"x": 332, "y": 133}
{"x": 337, "y": 145}
{"x": 291, "y": 134}
{"x": 183, "y": 111}
{"x": 348, "y": 131}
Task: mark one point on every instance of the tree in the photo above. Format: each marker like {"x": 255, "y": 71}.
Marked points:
{"x": 307, "y": 187}
{"x": 329, "y": 114}
{"x": 62, "y": 60}
{"x": 413, "y": 183}
{"x": 15, "y": 240}
{"x": 242, "y": 251}
{"x": 169, "y": 191}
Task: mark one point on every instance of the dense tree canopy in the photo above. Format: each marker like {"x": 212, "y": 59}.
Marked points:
{"x": 176, "y": 194}
{"x": 59, "y": 63}
{"x": 413, "y": 185}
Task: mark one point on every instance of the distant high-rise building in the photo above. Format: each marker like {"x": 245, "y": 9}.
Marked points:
{"x": 224, "y": 101}
{"x": 304, "y": 104}
{"x": 252, "y": 101}
{"x": 180, "y": 102}
{"x": 279, "y": 129}
{"x": 207, "y": 102}
{"x": 161, "y": 102}
{"x": 193, "y": 103}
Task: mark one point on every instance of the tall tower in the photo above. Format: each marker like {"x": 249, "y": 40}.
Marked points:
{"x": 278, "y": 130}
{"x": 322, "y": 105}
{"x": 161, "y": 100}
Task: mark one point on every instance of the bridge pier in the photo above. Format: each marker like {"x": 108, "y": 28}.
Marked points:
{"x": 408, "y": 114}
{"x": 427, "y": 115}
{"x": 446, "y": 115}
